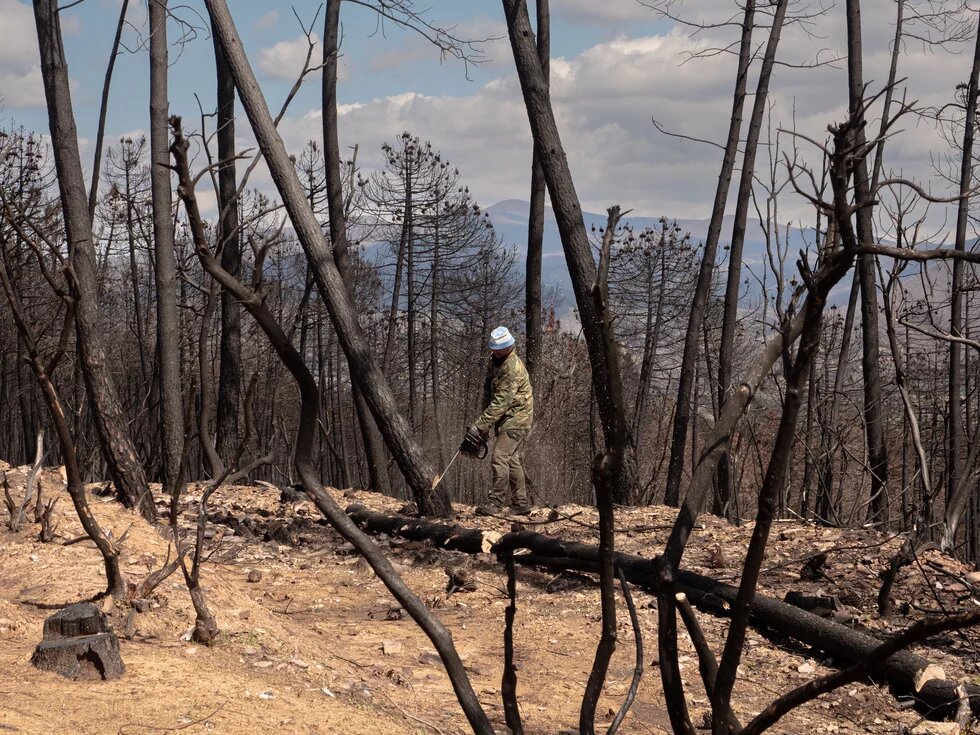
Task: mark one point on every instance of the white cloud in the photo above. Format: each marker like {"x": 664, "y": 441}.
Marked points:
{"x": 608, "y": 12}
{"x": 285, "y": 59}
{"x": 18, "y": 39}
{"x": 605, "y": 97}
{"x": 20, "y": 91}
{"x": 267, "y": 21}
{"x": 20, "y": 74}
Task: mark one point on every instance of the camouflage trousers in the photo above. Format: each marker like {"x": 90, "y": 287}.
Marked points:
{"x": 509, "y": 478}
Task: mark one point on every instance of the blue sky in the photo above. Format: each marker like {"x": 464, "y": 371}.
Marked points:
{"x": 615, "y": 65}
{"x": 378, "y": 60}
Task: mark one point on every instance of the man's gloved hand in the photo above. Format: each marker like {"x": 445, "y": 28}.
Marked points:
{"x": 475, "y": 433}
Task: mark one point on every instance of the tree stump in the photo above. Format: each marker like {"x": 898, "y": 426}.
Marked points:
{"x": 79, "y": 644}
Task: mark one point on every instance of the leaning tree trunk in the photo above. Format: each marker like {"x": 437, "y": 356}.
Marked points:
{"x": 575, "y": 241}
{"x": 535, "y": 220}
{"x": 107, "y": 414}
{"x": 363, "y": 368}
{"x": 870, "y": 363}
{"x": 229, "y": 235}
{"x": 373, "y": 446}
{"x": 682, "y": 408}
{"x": 168, "y": 323}
{"x": 306, "y": 432}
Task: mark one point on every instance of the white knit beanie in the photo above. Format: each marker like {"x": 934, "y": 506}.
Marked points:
{"x": 500, "y": 339}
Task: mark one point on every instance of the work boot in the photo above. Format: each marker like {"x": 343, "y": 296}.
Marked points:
{"x": 489, "y": 510}
{"x": 520, "y": 510}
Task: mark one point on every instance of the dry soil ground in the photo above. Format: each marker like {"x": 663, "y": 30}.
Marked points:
{"x": 314, "y": 644}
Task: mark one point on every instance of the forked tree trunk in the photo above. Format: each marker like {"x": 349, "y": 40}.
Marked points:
{"x": 734, "y": 279}
{"x": 685, "y": 386}
{"x": 107, "y": 414}
{"x": 168, "y": 323}
{"x": 362, "y": 366}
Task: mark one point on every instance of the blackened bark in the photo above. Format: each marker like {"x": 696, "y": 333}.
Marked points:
{"x": 744, "y": 198}
{"x": 229, "y": 235}
{"x": 870, "y": 363}
{"x": 535, "y": 220}
{"x": 957, "y": 485}
{"x": 168, "y": 323}
{"x": 107, "y": 414}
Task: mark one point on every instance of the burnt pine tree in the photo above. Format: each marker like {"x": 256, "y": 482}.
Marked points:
{"x": 742, "y": 203}
{"x": 870, "y": 363}
{"x": 685, "y": 386}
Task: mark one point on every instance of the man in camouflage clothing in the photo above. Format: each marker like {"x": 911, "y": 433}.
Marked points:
{"x": 509, "y": 412}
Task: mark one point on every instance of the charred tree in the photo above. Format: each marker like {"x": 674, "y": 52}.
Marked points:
{"x": 568, "y": 212}
{"x": 168, "y": 323}
{"x": 110, "y": 422}
{"x": 230, "y": 246}
{"x": 535, "y": 220}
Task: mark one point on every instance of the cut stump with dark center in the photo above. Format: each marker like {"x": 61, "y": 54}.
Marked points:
{"x": 79, "y": 644}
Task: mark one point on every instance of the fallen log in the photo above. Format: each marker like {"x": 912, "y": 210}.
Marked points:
{"x": 843, "y": 644}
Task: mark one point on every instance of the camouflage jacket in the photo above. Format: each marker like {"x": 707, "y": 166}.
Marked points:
{"x": 507, "y": 393}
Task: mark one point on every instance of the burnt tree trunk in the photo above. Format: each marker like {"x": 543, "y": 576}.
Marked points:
{"x": 746, "y": 180}
{"x": 958, "y": 486}
{"x": 115, "y": 582}
{"x": 229, "y": 236}
{"x": 373, "y": 445}
{"x": 575, "y": 241}
{"x": 836, "y": 640}
{"x": 168, "y": 321}
{"x": 107, "y": 414}
{"x": 870, "y": 363}
{"x": 682, "y": 408}
{"x": 535, "y": 220}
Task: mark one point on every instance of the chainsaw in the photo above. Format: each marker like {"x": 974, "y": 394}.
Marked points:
{"x": 473, "y": 445}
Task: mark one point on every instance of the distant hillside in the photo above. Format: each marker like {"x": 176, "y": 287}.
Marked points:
{"x": 510, "y": 219}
